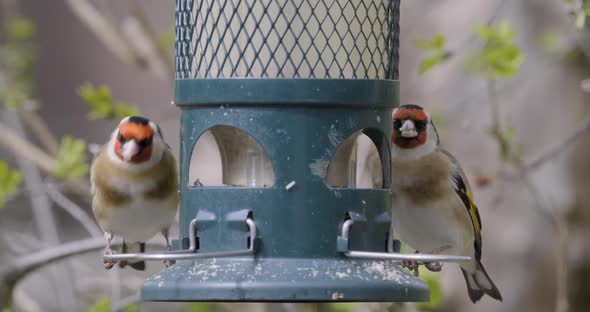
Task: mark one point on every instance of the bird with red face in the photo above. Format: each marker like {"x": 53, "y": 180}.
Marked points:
{"x": 432, "y": 205}
{"x": 134, "y": 182}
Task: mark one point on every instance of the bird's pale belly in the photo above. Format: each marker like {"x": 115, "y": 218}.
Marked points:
{"x": 140, "y": 221}
{"x": 430, "y": 227}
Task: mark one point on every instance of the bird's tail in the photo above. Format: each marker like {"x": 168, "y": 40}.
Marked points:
{"x": 132, "y": 248}
{"x": 480, "y": 283}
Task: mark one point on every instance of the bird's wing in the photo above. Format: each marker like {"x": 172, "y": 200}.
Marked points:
{"x": 92, "y": 174}
{"x": 461, "y": 186}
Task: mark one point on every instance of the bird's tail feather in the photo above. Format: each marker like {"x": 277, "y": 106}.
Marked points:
{"x": 132, "y": 248}
{"x": 480, "y": 283}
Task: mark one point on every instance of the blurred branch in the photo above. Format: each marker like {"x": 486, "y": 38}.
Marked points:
{"x": 105, "y": 32}
{"x": 125, "y": 302}
{"x": 42, "y": 215}
{"x": 494, "y": 106}
{"x": 162, "y": 52}
{"x": 24, "y": 302}
{"x": 559, "y": 225}
{"x": 544, "y": 208}
{"x": 497, "y": 130}
{"x": 25, "y": 150}
{"x": 12, "y": 273}
{"x": 561, "y": 145}
{"x": 74, "y": 210}
{"x": 41, "y": 130}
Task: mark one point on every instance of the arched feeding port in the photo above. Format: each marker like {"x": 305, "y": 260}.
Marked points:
{"x": 228, "y": 156}
{"x": 290, "y": 92}
{"x": 360, "y": 161}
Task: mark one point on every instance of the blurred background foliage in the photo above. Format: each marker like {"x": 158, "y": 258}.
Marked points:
{"x": 505, "y": 81}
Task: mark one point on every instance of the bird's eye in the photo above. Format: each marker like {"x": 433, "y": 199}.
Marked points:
{"x": 145, "y": 142}
{"x": 397, "y": 124}
{"x": 420, "y": 125}
{"x": 121, "y": 138}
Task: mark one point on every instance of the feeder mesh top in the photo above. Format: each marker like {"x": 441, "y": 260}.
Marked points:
{"x": 355, "y": 39}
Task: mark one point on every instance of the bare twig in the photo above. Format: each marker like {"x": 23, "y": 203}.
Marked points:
{"x": 74, "y": 210}
{"x": 144, "y": 21}
{"x": 490, "y": 21}
{"x": 494, "y": 105}
{"x": 26, "y": 150}
{"x": 556, "y": 220}
{"x": 13, "y": 272}
{"x": 559, "y": 225}
{"x": 41, "y": 130}
{"x": 24, "y": 302}
{"x": 140, "y": 41}
{"x": 43, "y": 217}
{"x": 105, "y": 31}
{"x": 561, "y": 145}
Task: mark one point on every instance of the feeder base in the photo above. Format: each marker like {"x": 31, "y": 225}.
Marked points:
{"x": 285, "y": 280}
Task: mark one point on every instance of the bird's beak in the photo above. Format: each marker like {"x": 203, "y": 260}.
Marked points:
{"x": 408, "y": 129}
{"x": 129, "y": 150}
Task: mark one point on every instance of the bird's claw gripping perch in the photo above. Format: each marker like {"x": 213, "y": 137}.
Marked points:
{"x": 411, "y": 265}
{"x": 165, "y": 233}
{"x": 414, "y": 265}
{"x": 433, "y": 266}
{"x": 108, "y": 264}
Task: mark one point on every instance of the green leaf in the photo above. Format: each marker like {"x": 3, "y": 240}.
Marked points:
{"x": 429, "y": 63}
{"x": 17, "y": 57}
{"x": 342, "y": 307}
{"x": 103, "y": 305}
{"x": 436, "y": 43}
{"x": 123, "y": 110}
{"x": 423, "y": 44}
{"x": 101, "y": 103}
{"x": 167, "y": 39}
{"x": 503, "y": 33}
{"x": 98, "y": 99}
{"x": 6, "y": 310}
{"x": 500, "y": 57}
{"x": 9, "y": 181}
{"x": 436, "y": 292}
{"x": 71, "y": 158}
{"x": 19, "y": 29}
{"x": 12, "y": 99}
{"x": 435, "y": 52}
{"x": 132, "y": 308}
{"x": 549, "y": 41}
{"x": 580, "y": 20}
{"x": 197, "y": 306}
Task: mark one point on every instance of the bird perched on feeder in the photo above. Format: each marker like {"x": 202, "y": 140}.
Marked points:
{"x": 134, "y": 186}
{"x": 432, "y": 205}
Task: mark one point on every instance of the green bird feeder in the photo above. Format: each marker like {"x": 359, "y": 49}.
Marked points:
{"x": 286, "y": 89}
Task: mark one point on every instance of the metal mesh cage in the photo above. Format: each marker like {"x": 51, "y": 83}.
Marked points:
{"x": 355, "y": 39}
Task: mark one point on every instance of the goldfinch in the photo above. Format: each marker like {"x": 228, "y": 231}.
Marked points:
{"x": 432, "y": 205}
{"x": 134, "y": 184}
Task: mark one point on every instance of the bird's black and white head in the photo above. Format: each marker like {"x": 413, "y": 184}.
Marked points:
{"x": 414, "y": 134}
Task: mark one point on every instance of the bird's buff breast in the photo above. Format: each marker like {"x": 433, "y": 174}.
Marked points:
{"x": 426, "y": 212}
{"x": 140, "y": 220}
{"x": 428, "y": 226}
